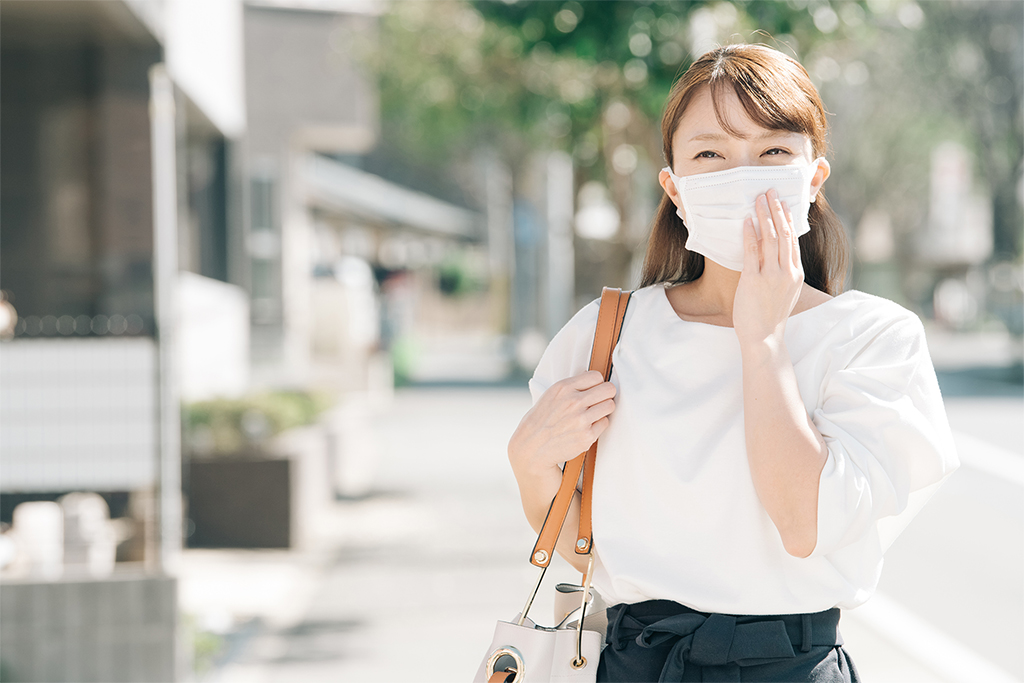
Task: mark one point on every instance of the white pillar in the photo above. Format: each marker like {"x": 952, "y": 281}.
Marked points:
{"x": 163, "y": 143}
{"x": 560, "y": 271}
{"x": 501, "y": 249}
{"x": 296, "y": 270}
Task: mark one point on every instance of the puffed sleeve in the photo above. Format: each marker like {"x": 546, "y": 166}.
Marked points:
{"x": 889, "y": 443}
{"x": 568, "y": 354}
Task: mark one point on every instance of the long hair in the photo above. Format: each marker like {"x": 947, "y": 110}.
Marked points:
{"x": 777, "y": 94}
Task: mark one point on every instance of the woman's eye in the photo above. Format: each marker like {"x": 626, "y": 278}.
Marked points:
{"x": 775, "y": 151}
{"x": 707, "y": 154}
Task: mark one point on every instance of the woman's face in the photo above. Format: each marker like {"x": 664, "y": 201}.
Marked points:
{"x": 702, "y": 145}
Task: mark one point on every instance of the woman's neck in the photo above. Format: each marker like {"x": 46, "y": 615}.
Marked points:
{"x": 717, "y": 288}
{"x": 709, "y": 298}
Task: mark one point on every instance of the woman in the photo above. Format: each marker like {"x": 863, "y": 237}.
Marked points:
{"x": 764, "y": 435}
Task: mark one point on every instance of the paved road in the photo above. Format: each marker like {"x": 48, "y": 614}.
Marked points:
{"x": 407, "y": 583}
{"x": 960, "y": 564}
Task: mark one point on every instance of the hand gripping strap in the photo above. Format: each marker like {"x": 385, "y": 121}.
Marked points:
{"x": 609, "y": 326}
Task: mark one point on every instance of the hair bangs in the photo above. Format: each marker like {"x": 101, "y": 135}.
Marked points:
{"x": 774, "y": 104}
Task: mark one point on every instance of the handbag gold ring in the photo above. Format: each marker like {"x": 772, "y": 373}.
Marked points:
{"x": 507, "y": 651}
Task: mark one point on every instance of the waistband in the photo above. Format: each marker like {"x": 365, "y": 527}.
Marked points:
{"x": 709, "y": 639}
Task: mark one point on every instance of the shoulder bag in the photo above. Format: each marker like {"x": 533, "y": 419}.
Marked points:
{"x": 521, "y": 651}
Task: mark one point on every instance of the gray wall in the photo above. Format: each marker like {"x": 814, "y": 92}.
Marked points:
{"x": 299, "y": 74}
{"x": 116, "y": 629}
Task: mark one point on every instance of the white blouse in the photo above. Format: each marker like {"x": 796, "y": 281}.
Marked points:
{"x": 675, "y": 512}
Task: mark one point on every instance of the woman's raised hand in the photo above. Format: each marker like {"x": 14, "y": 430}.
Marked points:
{"x": 566, "y": 420}
{"x": 772, "y": 276}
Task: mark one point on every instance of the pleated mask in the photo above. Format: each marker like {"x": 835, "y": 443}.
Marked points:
{"x": 716, "y": 204}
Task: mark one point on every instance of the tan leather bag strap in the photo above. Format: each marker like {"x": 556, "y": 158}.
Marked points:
{"x": 584, "y": 537}
{"x": 609, "y": 326}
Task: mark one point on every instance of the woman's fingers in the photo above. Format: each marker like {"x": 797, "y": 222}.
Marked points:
{"x": 567, "y": 419}
{"x": 765, "y": 296}
{"x": 782, "y": 227}
{"x": 596, "y": 394}
{"x": 571, "y": 404}
{"x": 597, "y": 429}
{"x": 794, "y": 238}
{"x": 587, "y": 388}
{"x": 769, "y": 232}
{"x": 599, "y": 410}
{"x": 751, "y": 248}
{"x": 783, "y": 222}
{"x": 584, "y": 380}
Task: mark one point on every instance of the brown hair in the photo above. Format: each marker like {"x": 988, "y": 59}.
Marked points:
{"x": 777, "y": 94}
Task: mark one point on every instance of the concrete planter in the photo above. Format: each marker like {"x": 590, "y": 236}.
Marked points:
{"x": 241, "y": 502}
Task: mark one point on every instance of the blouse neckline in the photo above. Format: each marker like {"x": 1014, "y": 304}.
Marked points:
{"x": 664, "y": 298}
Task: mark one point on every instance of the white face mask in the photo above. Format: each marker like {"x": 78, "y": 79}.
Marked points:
{"x": 716, "y": 204}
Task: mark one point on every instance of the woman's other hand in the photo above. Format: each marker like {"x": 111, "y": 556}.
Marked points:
{"x": 567, "y": 419}
{"x": 772, "y": 276}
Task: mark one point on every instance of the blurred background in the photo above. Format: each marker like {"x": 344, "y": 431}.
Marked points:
{"x": 274, "y": 274}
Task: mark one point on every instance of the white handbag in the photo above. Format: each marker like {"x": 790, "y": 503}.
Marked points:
{"x": 569, "y": 652}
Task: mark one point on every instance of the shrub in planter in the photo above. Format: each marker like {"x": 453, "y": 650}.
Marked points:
{"x": 234, "y": 427}
{"x": 240, "y": 496}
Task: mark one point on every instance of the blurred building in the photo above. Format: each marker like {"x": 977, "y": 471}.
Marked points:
{"x": 117, "y": 133}
{"x": 324, "y": 235}
{"x": 184, "y": 217}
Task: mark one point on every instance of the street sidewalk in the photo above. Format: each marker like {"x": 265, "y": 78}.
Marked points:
{"x": 409, "y": 581}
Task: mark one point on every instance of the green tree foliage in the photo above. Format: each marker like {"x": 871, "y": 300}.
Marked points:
{"x": 523, "y": 75}
{"x": 591, "y": 78}
{"x": 918, "y": 75}
{"x": 977, "y": 75}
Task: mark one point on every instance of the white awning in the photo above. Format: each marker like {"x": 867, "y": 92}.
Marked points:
{"x": 334, "y": 186}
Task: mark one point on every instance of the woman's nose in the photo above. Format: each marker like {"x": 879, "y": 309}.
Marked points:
{"x": 746, "y": 159}
{"x": 738, "y": 160}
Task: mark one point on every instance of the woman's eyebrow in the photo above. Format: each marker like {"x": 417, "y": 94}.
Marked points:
{"x": 766, "y": 135}
{"x": 779, "y": 133}
{"x": 709, "y": 136}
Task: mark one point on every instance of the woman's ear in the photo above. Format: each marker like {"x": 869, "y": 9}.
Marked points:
{"x": 670, "y": 189}
{"x": 821, "y": 174}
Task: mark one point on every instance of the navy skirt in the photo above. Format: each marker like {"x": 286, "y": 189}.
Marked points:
{"x": 661, "y": 640}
